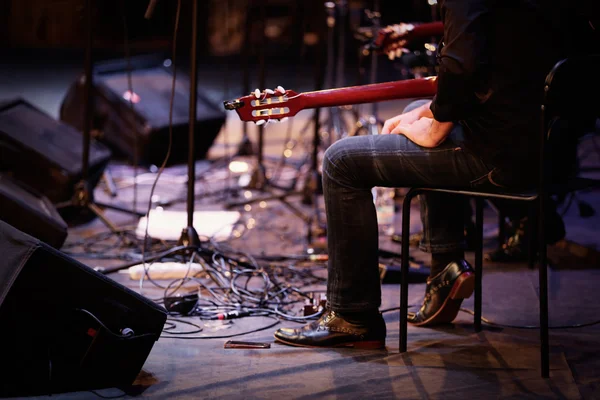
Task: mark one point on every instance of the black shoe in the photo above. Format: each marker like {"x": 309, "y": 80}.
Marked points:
{"x": 515, "y": 248}
{"x": 444, "y": 295}
{"x": 332, "y": 330}
{"x": 519, "y": 237}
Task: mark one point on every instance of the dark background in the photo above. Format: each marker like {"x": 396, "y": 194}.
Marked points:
{"x": 291, "y": 24}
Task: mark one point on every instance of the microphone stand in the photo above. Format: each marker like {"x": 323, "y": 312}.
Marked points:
{"x": 259, "y": 181}
{"x": 189, "y": 236}
{"x": 83, "y": 197}
{"x": 370, "y": 125}
{"x": 189, "y": 241}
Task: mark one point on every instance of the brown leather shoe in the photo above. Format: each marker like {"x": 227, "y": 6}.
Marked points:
{"x": 444, "y": 295}
{"x": 332, "y": 330}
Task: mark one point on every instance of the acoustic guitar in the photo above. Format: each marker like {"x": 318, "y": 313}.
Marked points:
{"x": 275, "y": 105}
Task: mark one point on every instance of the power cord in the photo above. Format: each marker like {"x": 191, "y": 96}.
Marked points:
{"x": 492, "y": 323}
{"x": 224, "y": 336}
{"x": 126, "y": 333}
{"x": 127, "y": 52}
{"x": 169, "y": 147}
{"x": 118, "y": 396}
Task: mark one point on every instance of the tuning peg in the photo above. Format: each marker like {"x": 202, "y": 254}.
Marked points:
{"x": 398, "y": 52}
{"x": 261, "y": 122}
{"x": 257, "y": 93}
{"x": 391, "y": 54}
{"x": 269, "y": 91}
{"x": 280, "y": 89}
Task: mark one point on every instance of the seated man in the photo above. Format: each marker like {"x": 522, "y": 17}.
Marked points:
{"x": 479, "y": 131}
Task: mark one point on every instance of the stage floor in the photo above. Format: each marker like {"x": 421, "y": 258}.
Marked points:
{"x": 446, "y": 362}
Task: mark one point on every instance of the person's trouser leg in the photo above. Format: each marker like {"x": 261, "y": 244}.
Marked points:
{"x": 351, "y": 167}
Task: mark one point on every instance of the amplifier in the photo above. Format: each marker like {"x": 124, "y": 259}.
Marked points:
{"x": 121, "y": 117}
{"x": 31, "y": 212}
{"x": 43, "y": 153}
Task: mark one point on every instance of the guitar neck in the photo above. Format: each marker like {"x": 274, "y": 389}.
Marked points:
{"x": 428, "y": 29}
{"x": 412, "y": 88}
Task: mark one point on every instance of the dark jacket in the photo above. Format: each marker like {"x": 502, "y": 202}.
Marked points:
{"x": 493, "y": 60}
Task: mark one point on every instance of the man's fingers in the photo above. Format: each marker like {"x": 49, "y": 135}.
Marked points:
{"x": 388, "y": 126}
{"x": 400, "y": 129}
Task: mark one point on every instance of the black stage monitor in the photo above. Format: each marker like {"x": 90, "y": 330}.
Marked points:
{"x": 117, "y": 121}
{"x": 43, "y": 153}
{"x": 66, "y": 327}
{"x": 31, "y": 212}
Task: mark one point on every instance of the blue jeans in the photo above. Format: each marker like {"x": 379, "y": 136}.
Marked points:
{"x": 352, "y": 167}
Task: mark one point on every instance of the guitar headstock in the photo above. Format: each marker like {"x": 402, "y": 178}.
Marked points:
{"x": 266, "y": 106}
{"x": 393, "y": 39}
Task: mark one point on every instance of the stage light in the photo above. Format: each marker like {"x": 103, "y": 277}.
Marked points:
{"x": 238, "y": 166}
{"x": 131, "y": 96}
{"x": 430, "y": 47}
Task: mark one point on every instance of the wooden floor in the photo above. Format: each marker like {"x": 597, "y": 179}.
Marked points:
{"x": 447, "y": 362}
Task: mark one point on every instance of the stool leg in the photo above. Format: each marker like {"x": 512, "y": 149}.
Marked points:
{"x": 478, "y": 261}
{"x": 531, "y": 228}
{"x": 543, "y": 275}
{"x": 404, "y": 270}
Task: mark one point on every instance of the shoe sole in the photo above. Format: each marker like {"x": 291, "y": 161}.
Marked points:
{"x": 366, "y": 345}
{"x": 462, "y": 289}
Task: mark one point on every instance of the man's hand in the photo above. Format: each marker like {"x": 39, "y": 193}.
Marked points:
{"x": 407, "y": 118}
{"x": 426, "y": 132}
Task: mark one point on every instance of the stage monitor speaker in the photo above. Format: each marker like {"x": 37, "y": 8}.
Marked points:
{"x": 31, "y": 212}
{"x": 43, "y": 153}
{"x": 117, "y": 122}
{"x": 66, "y": 327}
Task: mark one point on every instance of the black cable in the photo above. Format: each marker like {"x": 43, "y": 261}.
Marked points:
{"x": 568, "y": 205}
{"x": 170, "y": 145}
{"x": 396, "y": 308}
{"x": 119, "y": 396}
{"x": 492, "y": 323}
{"x": 130, "y": 335}
{"x": 181, "y": 321}
{"x": 231, "y": 335}
{"x": 99, "y": 246}
{"x": 127, "y": 52}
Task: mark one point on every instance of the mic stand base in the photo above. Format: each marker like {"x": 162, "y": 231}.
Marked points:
{"x": 189, "y": 238}
{"x": 245, "y": 147}
{"x": 83, "y": 199}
